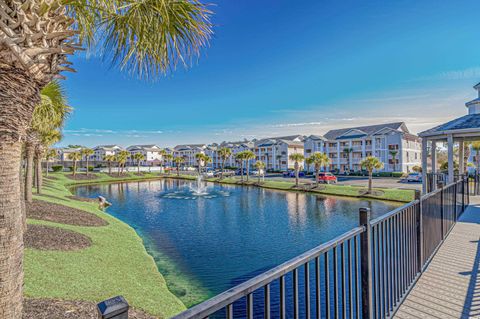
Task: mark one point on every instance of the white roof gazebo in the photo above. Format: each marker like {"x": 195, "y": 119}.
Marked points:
{"x": 460, "y": 130}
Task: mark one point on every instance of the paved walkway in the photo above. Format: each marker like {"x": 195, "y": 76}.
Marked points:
{"x": 450, "y": 287}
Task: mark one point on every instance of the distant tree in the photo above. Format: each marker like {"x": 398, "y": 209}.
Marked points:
{"x": 138, "y": 157}
{"x": 319, "y": 160}
{"x": 371, "y": 163}
{"x": 248, "y": 155}
{"x": 200, "y": 157}
{"x": 49, "y": 155}
{"x": 178, "y": 161}
{"x": 163, "y": 153}
{"x": 206, "y": 160}
{"x": 75, "y": 157}
{"x": 260, "y": 166}
{"x": 297, "y": 158}
{"x": 110, "y": 158}
{"x": 167, "y": 158}
{"x": 394, "y": 159}
{"x": 225, "y": 153}
{"x": 240, "y": 158}
{"x": 308, "y": 163}
{"x": 417, "y": 169}
{"x": 87, "y": 152}
{"x": 122, "y": 158}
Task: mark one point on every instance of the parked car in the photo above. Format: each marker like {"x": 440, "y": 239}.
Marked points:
{"x": 414, "y": 177}
{"x": 292, "y": 174}
{"x": 327, "y": 178}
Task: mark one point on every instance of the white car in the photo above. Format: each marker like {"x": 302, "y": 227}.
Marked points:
{"x": 414, "y": 177}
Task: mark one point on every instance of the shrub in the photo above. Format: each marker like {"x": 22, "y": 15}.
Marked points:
{"x": 57, "y": 168}
{"x": 70, "y": 168}
{"x": 90, "y": 168}
{"x": 397, "y": 174}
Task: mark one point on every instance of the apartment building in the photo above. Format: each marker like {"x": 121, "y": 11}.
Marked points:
{"x": 101, "y": 151}
{"x": 275, "y": 152}
{"x": 151, "y": 152}
{"x": 188, "y": 152}
{"x": 392, "y": 143}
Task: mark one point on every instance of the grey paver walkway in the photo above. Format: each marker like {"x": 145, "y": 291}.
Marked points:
{"x": 450, "y": 287}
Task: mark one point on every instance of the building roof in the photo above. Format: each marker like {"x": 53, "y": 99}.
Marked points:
{"x": 107, "y": 147}
{"x": 364, "y": 130}
{"x": 189, "y": 146}
{"x": 147, "y": 147}
{"x": 316, "y": 137}
{"x": 471, "y": 121}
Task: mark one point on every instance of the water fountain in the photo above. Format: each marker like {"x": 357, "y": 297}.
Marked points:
{"x": 196, "y": 190}
{"x": 199, "y": 188}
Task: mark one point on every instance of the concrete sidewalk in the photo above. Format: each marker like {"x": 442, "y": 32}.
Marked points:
{"x": 450, "y": 287}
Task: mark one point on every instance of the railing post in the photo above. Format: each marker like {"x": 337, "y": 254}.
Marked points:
{"x": 440, "y": 186}
{"x": 366, "y": 264}
{"x": 419, "y": 225}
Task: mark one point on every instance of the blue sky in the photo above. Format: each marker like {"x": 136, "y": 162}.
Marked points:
{"x": 286, "y": 67}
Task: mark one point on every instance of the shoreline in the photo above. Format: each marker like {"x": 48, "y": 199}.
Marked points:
{"x": 330, "y": 190}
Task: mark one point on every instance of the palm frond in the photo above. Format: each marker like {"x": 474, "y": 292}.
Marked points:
{"x": 145, "y": 37}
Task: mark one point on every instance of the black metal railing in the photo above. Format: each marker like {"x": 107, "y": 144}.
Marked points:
{"x": 433, "y": 179}
{"x": 364, "y": 273}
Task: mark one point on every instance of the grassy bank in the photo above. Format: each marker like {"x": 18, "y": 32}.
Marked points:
{"x": 116, "y": 263}
{"x": 391, "y": 194}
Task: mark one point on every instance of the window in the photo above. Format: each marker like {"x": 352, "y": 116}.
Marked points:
{"x": 308, "y": 151}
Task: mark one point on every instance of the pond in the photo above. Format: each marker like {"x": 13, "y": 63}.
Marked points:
{"x": 208, "y": 242}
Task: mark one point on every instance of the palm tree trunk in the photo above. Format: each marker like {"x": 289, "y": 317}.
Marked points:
{"x": 109, "y": 168}
{"x": 138, "y": 167}
{"x": 223, "y": 169}
{"x": 370, "y": 181}
{"x": 38, "y": 173}
{"x": 248, "y": 170}
{"x": 29, "y": 153}
{"x": 316, "y": 175}
{"x": 19, "y": 94}
{"x": 86, "y": 172}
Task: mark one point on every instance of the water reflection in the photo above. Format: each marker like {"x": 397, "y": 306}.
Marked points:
{"x": 216, "y": 241}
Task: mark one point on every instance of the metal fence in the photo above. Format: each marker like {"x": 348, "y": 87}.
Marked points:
{"x": 433, "y": 179}
{"x": 364, "y": 273}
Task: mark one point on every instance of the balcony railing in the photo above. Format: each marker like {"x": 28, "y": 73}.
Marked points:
{"x": 364, "y": 273}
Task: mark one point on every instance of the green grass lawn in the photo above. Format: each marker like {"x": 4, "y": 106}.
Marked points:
{"x": 116, "y": 263}
{"x": 393, "y": 194}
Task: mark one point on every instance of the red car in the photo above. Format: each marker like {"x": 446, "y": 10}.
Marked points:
{"x": 327, "y": 178}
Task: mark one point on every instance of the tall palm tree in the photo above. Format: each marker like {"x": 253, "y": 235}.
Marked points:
{"x": 247, "y": 156}
{"x": 297, "y": 158}
{"x": 138, "y": 157}
{"x": 37, "y": 37}
{"x": 309, "y": 162}
{"x": 48, "y": 116}
{"x": 75, "y": 157}
{"x": 46, "y": 140}
{"x": 168, "y": 158}
{"x": 206, "y": 160}
{"x": 86, "y": 153}
{"x": 394, "y": 154}
{"x": 49, "y": 155}
{"x": 122, "y": 158}
{"x": 371, "y": 163}
{"x": 260, "y": 166}
{"x": 348, "y": 151}
{"x": 109, "y": 159}
{"x": 163, "y": 153}
{"x": 178, "y": 161}
{"x": 200, "y": 157}
{"x": 319, "y": 160}
{"x": 476, "y": 148}
{"x": 225, "y": 153}
{"x": 240, "y": 158}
